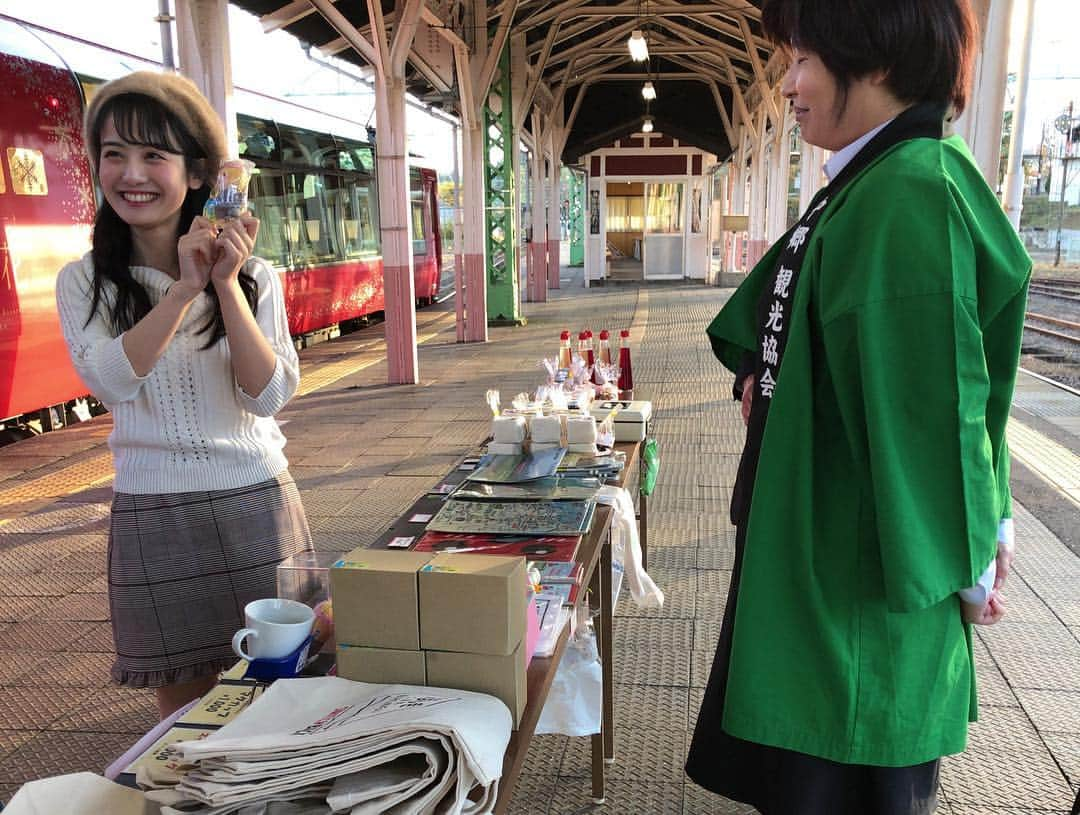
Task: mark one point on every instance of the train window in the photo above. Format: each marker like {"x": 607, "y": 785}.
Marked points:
{"x": 310, "y": 221}
{"x": 307, "y": 148}
{"x": 355, "y": 156}
{"x": 258, "y": 139}
{"x": 356, "y": 160}
{"x": 357, "y": 223}
{"x": 419, "y": 214}
{"x": 267, "y": 198}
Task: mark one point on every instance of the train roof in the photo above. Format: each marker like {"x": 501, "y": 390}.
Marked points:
{"x": 92, "y": 61}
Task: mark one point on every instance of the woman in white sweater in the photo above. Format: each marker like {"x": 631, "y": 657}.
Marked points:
{"x": 182, "y": 334}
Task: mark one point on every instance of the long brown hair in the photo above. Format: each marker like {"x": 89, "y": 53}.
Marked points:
{"x": 140, "y": 119}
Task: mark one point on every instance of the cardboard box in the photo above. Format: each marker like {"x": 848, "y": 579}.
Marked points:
{"x": 631, "y": 420}
{"x": 472, "y": 603}
{"x": 381, "y": 665}
{"x": 503, "y": 676}
{"x": 376, "y": 600}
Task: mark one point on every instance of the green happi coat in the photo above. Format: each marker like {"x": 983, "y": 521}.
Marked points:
{"x": 883, "y": 471}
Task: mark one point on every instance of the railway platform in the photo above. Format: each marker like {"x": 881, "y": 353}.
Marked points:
{"x": 362, "y": 451}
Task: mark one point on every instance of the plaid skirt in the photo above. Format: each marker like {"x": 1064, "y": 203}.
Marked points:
{"x": 182, "y": 566}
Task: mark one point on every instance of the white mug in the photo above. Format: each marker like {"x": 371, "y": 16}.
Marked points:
{"x": 276, "y": 628}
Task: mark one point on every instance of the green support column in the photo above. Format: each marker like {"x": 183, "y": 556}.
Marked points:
{"x": 574, "y": 183}
{"x": 500, "y": 217}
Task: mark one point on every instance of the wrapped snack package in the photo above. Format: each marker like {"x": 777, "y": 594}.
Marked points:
{"x": 551, "y": 366}
{"x": 546, "y": 430}
{"x": 605, "y": 431}
{"x": 584, "y": 399}
{"x": 492, "y": 399}
{"x": 229, "y": 195}
{"x": 609, "y": 391}
{"x": 581, "y": 430}
{"x": 508, "y": 429}
{"x": 607, "y": 372}
{"x": 558, "y": 399}
{"x": 580, "y": 372}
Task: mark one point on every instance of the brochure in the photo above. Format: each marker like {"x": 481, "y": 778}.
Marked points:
{"x": 515, "y": 468}
{"x": 514, "y": 517}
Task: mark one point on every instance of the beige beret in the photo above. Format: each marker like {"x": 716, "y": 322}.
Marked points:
{"x": 175, "y": 93}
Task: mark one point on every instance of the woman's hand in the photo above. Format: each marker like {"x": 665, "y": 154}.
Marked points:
{"x": 197, "y": 254}
{"x": 988, "y": 614}
{"x": 747, "y": 398}
{"x": 234, "y": 245}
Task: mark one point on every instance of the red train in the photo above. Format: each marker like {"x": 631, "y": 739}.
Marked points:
{"x": 314, "y": 193}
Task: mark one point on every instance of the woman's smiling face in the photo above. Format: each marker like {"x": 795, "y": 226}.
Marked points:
{"x": 144, "y": 185}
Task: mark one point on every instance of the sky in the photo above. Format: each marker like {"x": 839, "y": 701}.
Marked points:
{"x": 1054, "y": 78}
{"x": 130, "y": 27}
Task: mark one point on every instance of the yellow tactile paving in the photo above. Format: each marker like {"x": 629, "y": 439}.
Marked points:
{"x": 1052, "y": 461}
{"x": 98, "y": 470}
{"x": 92, "y": 472}
{"x": 329, "y": 374}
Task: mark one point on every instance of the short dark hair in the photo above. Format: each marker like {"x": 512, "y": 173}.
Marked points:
{"x": 925, "y": 47}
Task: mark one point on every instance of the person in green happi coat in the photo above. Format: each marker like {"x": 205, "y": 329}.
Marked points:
{"x": 875, "y": 348}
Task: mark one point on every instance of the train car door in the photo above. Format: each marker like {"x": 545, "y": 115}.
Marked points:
{"x": 425, "y": 247}
{"x": 431, "y": 195}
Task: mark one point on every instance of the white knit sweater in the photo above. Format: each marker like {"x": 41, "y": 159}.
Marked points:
{"x": 186, "y": 426}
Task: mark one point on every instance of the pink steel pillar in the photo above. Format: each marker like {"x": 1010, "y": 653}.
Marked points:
{"x": 393, "y": 178}
{"x": 537, "y": 283}
{"x": 475, "y": 269}
{"x": 459, "y": 249}
{"x": 554, "y": 200}
{"x": 387, "y": 56}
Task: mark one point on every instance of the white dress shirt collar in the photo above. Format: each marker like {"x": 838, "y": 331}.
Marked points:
{"x": 841, "y": 158}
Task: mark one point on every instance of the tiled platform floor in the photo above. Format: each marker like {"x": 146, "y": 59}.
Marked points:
{"x": 362, "y": 451}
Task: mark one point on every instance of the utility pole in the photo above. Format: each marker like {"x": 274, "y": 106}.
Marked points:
{"x": 1065, "y": 157}
{"x": 165, "y": 20}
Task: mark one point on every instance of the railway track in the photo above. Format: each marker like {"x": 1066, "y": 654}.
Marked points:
{"x": 1064, "y": 330}
{"x": 1057, "y": 289}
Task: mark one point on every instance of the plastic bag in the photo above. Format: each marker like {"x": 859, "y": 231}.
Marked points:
{"x": 574, "y": 701}
{"x": 626, "y": 547}
{"x": 650, "y": 466}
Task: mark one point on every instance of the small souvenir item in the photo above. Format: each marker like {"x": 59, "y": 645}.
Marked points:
{"x": 229, "y": 196}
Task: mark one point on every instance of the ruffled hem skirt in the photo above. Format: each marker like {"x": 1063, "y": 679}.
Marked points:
{"x": 182, "y": 566}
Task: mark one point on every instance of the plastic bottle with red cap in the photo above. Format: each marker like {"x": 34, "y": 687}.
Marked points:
{"x": 626, "y": 373}
{"x": 564, "y": 350}
{"x": 585, "y": 350}
{"x": 605, "y": 347}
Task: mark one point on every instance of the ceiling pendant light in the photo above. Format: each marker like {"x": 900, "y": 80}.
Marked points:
{"x": 639, "y": 48}
{"x": 648, "y": 91}
{"x": 647, "y": 125}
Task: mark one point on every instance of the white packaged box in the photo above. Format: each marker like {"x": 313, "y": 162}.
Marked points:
{"x": 631, "y": 420}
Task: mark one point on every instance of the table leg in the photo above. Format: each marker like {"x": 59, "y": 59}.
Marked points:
{"x": 643, "y": 529}
{"x": 596, "y": 596}
{"x": 607, "y": 660}
{"x": 598, "y": 792}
